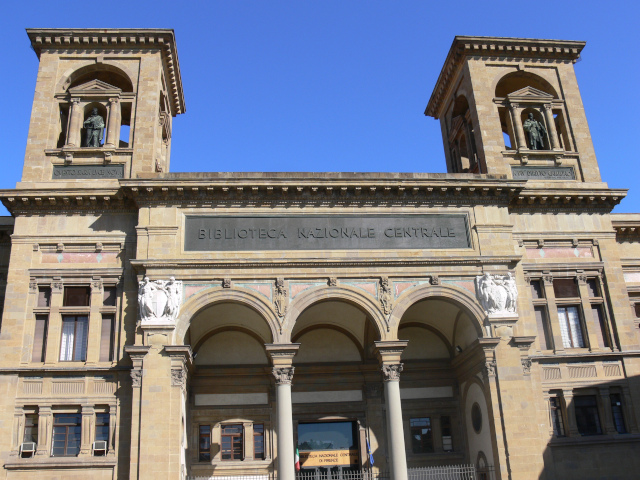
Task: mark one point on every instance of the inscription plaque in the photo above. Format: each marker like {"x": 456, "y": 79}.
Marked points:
{"x": 543, "y": 173}
{"x": 88, "y": 171}
{"x": 325, "y": 232}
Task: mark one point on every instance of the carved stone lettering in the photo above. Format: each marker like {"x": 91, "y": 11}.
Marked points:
{"x": 543, "y": 173}
{"x": 87, "y": 171}
{"x": 311, "y": 232}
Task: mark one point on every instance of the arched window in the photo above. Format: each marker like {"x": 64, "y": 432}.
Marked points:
{"x": 462, "y": 145}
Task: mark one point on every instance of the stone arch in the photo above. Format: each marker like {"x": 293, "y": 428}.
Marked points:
{"x": 431, "y": 329}
{"x": 329, "y": 326}
{"x": 449, "y": 293}
{"x": 505, "y": 83}
{"x": 77, "y": 75}
{"x": 351, "y": 295}
{"x": 243, "y": 296}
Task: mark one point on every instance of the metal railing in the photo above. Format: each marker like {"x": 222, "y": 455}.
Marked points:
{"x": 448, "y": 472}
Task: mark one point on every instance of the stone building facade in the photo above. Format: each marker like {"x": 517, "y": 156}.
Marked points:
{"x": 162, "y": 325}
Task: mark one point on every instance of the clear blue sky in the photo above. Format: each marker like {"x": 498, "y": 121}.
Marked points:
{"x": 330, "y": 85}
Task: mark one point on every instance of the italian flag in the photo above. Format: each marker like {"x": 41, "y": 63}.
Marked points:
{"x": 297, "y": 460}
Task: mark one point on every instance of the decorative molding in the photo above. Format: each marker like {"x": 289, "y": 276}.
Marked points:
{"x": 136, "y": 378}
{"x": 391, "y": 372}
{"x": 435, "y": 280}
{"x": 226, "y": 283}
{"x": 281, "y": 298}
{"x": 526, "y": 365}
{"x": 159, "y": 301}
{"x": 498, "y": 294}
{"x": 333, "y": 281}
{"x": 178, "y": 378}
{"x": 385, "y": 295}
{"x": 490, "y": 368}
{"x": 283, "y": 375}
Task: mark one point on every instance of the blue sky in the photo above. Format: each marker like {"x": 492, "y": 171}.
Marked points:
{"x": 335, "y": 85}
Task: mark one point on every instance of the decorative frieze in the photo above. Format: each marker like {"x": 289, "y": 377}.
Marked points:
{"x": 281, "y": 297}
{"x": 385, "y": 295}
{"x": 497, "y": 294}
{"x": 159, "y": 301}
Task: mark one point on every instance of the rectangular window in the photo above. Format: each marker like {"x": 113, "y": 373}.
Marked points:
{"x": 232, "y": 445}
{"x": 76, "y": 296}
{"x": 587, "y": 416}
{"x": 102, "y": 431}
{"x": 31, "y": 428}
{"x": 73, "y": 346}
{"x": 258, "y": 442}
{"x": 557, "y": 419}
{"x": 107, "y": 336}
{"x": 544, "y": 333}
{"x": 565, "y": 288}
{"x": 592, "y": 286}
{"x": 570, "y": 327}
{"x": 537, "y": 291}
{"x": 600, "y": 326}
{"x": 109, "y": 297}
{"x": 44, "y": 297}
{"x": 421, "y": 438}
{"x": 66, "y": 434}
{"x": 445, "y": 430}
{"x": 204, "y": 447}
{"x": 616, "y": 411}
{"x": 40, "y": 338}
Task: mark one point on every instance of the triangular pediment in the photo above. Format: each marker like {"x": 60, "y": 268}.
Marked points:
{"x": 530, "y": 92}
{"x": 95, "y": 86}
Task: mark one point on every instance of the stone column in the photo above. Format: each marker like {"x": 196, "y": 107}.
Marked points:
{"x": 608, "y": 427}
{"x": 514, "y": 108}
{"x": 389, "y": 353}
{"x": 590, "y": 322}
{"x": 553, "y": 133}
{"x": 87, "y": 430}
{"x": 282, "y": 359}
{"x": 45, "y": 427}
{"x": 75, "y": 124}
{"x": 137, "y": 354}
{"x": 111, "y": 444}
{"x": 571, "y": 413}
{"x": 112, "y": 123}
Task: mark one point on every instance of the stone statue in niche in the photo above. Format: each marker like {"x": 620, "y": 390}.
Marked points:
{"x": 93, "y": 126}
{"x": 536, "y": 131}
{"x": 497, "y": 294}
{"x": 159, "y": 301}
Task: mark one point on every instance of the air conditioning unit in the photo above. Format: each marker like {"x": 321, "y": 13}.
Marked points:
{"x": 99, "y": 447}
{"x": 28, "y": 449}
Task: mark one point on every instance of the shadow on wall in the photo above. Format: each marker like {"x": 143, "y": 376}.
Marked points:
{"x": 593, "y": 430}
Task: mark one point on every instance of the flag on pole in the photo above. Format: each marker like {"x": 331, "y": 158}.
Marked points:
{"x": 297, "y": 460}
{"x": 369, "y": 452}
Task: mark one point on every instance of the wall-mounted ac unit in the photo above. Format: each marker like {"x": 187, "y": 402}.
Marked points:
{"x": 28, "y": 449}
{"x": 99, "y": 447}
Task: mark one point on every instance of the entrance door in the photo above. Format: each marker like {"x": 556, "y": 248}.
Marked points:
{"x": 328, "y": 450}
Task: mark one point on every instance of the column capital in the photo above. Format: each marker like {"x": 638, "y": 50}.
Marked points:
{"x": 282, "y": 354}
{"x": 283, "y": 375}
{"x": 114, "y": 100}
{"x": 389, "y": 352}
{"x": 548, "y": 106}
{"x": 391, "y": 371}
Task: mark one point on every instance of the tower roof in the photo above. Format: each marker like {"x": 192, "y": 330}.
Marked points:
{"x": 496, "y": 47}
{"x": 117, "y": 38}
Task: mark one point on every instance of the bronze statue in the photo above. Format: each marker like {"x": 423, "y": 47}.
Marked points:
{"x": 94, "y": 126}
{"x": 536, "y": 132}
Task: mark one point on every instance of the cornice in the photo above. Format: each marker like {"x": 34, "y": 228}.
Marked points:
{"x": 495, "y": 47}
{"x": 117, "y": 38}
{"x": 141, "y": 265}
{"x": 323, "y": 190}
{"x": 577, "y": 200}
{"x": 30, "y": 201}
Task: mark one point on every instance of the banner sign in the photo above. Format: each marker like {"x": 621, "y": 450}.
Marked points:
{"x": 322, "y": 458}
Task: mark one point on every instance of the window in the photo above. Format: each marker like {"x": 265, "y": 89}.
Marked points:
{"x": 107, "y": 335}
{"x": 102, "y": 431}
{"x": 421, "y": 438}
{"x": 445, "y": 430}
{"x": 76, "y": 296}
{"x": 598, "y": 312}
{"x": 31, "y": 428}
{"x": 66, "y": 434}
{"x": 587, "y": 418}
{"x": 565, "y": 288}
{"x": 231, "y": 440}
{"x": 616, "y": 412}
{"x": 73, "y": 346}
{"x": 109, "y": 296}
{"x": 570, "y": 327}
{"x": 542, "y": 318}
{"x": 40, "y": 338}
{"x": 258, "y": 441}
{"x": 557, "y": 419}
{"x": 204, "y": 446}
{"x": 44, "y": 297}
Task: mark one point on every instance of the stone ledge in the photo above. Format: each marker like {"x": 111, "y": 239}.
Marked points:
{"x": 66, "y": 463}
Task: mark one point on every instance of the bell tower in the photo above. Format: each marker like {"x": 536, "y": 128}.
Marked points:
{"x": 103, "y": 105}
{"x": 512, "y": 106}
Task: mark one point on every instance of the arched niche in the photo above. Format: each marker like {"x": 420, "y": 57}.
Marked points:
{"x": 515, "y": 81}
{"x": 99, "y": 71}
{"x": 462, "y": 147}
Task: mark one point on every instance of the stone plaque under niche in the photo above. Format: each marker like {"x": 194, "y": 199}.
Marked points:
{"x": 543, "y": 173}
{"x": 87, "y": 171}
